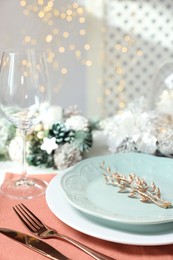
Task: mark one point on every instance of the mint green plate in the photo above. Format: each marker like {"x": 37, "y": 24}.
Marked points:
{"x": 85, "y": 188}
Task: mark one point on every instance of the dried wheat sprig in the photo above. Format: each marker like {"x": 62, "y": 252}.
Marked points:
{"x": 135, "y": 186}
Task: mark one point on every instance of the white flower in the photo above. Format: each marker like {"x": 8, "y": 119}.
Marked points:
{"x": 15, "y": 149}
{"x": 123, "y": 126}
{"x": 77, "y": 122}
{"x": 53, "y": 114}
{"x": 3, "y": 140}
{"x": 49, "y": 144}
{"x": 6, "y": 133}
{"x": 147, "y": 143}
{"x": 131, "y": 126}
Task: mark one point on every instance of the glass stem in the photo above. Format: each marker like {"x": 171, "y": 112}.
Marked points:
{"x": 24, "y": 172}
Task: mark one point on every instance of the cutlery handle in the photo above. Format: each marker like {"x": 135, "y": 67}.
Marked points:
{"x": 95, "y": 254}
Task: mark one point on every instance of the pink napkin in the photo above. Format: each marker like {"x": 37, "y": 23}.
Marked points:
{"x": 11, "y": 250}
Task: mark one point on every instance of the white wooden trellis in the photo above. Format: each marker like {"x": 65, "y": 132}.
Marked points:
{"x": 137, "y": 36}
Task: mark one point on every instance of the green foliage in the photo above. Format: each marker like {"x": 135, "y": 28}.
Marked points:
{"x": 37, "y": 156}
{"x": 83, "y": 140}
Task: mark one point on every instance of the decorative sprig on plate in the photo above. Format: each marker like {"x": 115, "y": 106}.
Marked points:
{"x": 135, "y": 186}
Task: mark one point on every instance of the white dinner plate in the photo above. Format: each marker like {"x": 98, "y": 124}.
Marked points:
{"x": 85, "y": 188}
{"x": 147, "y": 235}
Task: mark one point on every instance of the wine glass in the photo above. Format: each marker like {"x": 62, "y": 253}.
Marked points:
{"x": 24, "y": 92}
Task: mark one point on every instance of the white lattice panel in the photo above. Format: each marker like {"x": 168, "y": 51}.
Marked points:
{"x": 138, "y": 35}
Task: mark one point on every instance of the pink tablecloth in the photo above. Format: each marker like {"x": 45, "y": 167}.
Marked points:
{"x": 10, "y": 250}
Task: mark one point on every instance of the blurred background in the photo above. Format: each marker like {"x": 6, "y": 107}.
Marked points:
{"x": 101, "y": 54}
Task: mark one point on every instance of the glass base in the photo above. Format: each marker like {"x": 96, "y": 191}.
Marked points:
{"x": 26, "y": 188}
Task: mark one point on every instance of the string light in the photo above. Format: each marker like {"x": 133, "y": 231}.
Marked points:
{"x": 49, "y": 14}
{"x": 23, "y": 3}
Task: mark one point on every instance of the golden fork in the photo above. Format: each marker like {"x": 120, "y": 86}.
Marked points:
{"x": 39, "y": 229}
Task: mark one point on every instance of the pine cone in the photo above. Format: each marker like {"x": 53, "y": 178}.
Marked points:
{"x": 66, "y": 155}
{"x": 61, "y": 134}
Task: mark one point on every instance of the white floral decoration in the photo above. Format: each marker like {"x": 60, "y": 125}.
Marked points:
{"x": 59, "y": 140}
{"x": 49, "y": 144}
{"x": 126, "y": 125}
{"x": 77, "y": 123}
{"x": 5, "y": 136}
{"x": 137, "y": 129}
{"x": 15, "y": 149}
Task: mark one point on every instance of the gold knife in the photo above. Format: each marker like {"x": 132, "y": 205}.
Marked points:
{"x": 34, "y": 244}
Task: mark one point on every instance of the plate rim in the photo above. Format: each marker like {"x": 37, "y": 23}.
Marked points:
{"x": 121, "y": 219}
{"x": 76, "y": 220}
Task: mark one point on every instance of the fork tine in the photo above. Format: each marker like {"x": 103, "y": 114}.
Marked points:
{"x": 20, "y": 215}
{"x": 31, "y": 215}
{"x": 27, "y": 217}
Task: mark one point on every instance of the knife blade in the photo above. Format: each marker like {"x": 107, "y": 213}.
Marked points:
{"x": 34, "y": 244}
